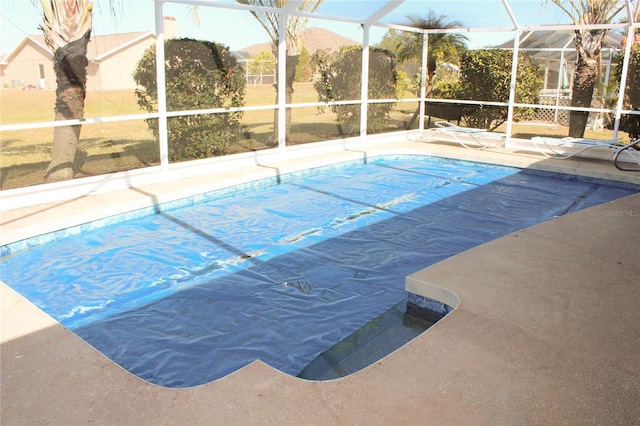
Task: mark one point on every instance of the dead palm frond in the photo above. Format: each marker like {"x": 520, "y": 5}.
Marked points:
{"x": 294, "y": 25}
{"x": 587, "y": 12}
{"x": 65, "y": 21}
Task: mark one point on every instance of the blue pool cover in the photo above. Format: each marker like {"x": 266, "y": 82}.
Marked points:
{"x": 186, "y": 296}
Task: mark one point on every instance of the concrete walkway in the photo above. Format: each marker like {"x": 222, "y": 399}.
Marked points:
{"x": 547, "y": 332}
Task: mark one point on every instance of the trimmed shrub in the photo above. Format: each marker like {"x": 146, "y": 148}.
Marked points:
{"x": 199, "y": 75}
{"x": 485, "y": 75}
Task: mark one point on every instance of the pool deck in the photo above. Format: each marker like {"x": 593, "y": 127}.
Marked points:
{"x": 547, "y": 332}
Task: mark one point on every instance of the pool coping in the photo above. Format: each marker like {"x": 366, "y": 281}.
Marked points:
{"x": 46, "y": 218}
{"x": 545, "y": 332}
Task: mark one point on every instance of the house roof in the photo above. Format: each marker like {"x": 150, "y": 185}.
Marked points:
{"x": 103, "y": 46}
{"x": 99, "y": 47}
{"x": 550, "y": 44}
{"x": 313, "y": 39}
{"x": 35, "y": 40}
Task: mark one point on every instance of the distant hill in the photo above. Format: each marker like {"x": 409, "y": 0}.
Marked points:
{"x": 312, "y": 39}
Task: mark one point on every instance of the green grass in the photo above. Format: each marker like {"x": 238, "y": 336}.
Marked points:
{"x": 110, "y": 147}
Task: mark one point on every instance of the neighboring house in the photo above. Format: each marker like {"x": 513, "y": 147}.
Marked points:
{"x": 112, "y": 60}
{"x": 554, "y": 52}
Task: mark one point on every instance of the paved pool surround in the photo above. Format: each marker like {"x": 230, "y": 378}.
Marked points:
{"x": 546, "y": 330}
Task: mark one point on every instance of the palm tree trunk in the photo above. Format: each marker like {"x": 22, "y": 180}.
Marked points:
{"x": 292, "y": 63}
{"x": 70, "y": 64}
{"x": 588, "y": 46}
{"x": 582, "y": 94}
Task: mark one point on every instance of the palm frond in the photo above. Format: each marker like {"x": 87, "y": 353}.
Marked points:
{"x": 65, "y": 21}
{"x": 294, "y": 26}
{"x": 193, "y": 9}
{"x": 590, "y": 11}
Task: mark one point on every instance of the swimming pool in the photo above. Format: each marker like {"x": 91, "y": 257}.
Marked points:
{"x": 281, "y": 274}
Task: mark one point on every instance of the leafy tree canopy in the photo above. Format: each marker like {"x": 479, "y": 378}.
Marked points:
{"x": 261, "y": 64}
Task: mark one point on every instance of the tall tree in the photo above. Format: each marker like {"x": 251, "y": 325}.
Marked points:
{"x": 304, "y": 71}
{"x": 294, "y": 26}
{"x": 588, "y": 44}
{"x": 67, "y": 28}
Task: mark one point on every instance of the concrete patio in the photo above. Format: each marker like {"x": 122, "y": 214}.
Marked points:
{"x": 547, "y": 332}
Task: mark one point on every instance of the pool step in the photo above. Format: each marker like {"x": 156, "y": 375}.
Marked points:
{"x": 378, "y": 338}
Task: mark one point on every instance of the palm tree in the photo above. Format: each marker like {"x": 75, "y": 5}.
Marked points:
{"x": 294, "y": 27}
{"x": 588, "y": 44}
{"x": 443, "y": 47}
{"x": 67, "y": 28}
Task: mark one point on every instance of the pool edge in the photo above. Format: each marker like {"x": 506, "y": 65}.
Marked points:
{"x": 489, "y": 362}
{"x": 29, "y": 222}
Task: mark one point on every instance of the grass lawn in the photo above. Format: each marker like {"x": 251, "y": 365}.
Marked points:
{"x": 111, "y": 147}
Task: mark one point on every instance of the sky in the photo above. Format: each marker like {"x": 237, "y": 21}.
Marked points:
{"x": 236, "y": 29}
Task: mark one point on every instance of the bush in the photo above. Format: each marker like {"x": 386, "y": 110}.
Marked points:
{"x": 339, "y": 78}
{"x": 631, "y": 123}
{"x": 199, "y": 75}
{"x": 404, "y": 85}
{"x": 445, "y": 89}
{"x": 485, "y": 75}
